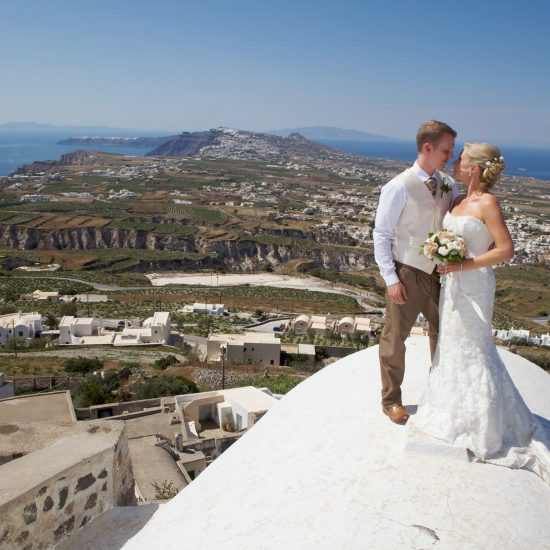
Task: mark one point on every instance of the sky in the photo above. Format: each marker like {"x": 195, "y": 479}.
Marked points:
{"x": 378, "y": 66}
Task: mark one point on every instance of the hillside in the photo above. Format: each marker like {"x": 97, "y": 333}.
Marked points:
{"x": 218, "y": 142}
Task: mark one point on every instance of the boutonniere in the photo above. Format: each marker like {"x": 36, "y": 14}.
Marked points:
{"x": 445, "y": 188}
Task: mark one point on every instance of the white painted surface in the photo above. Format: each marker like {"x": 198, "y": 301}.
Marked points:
{"x": 253, "y": 279}
{"x": 325, "y": 469}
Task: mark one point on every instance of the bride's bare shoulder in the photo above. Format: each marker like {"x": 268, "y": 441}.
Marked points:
{"x": 488, "y": 200}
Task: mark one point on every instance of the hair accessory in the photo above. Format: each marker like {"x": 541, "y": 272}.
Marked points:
{"x": 495, "y": 159}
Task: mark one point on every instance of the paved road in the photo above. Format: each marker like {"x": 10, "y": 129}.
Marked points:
{"x": 360, "y": 297}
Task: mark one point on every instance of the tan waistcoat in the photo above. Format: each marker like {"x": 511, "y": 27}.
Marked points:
{"x": 422, "y": 215}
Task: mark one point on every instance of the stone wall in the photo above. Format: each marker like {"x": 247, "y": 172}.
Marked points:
{"x": 47, "y": 495}
{"x": 116, "y": 409}
{"x": 35, "y": 383}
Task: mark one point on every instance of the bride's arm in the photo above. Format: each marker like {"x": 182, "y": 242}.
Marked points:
{"x": 503, "y": 247}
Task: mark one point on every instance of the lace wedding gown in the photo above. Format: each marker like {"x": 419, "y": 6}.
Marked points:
{"x": 471, "y": 401}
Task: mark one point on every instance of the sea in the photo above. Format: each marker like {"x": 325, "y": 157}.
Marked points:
{"x": 520, "y": 161}
{"x": 18, "y": 148}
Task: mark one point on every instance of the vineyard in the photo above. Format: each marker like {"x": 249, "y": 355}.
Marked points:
{"x": 195, "y": 214}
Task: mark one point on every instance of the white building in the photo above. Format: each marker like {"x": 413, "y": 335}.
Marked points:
{"x": 93, "y": 331}
{"x": 83, "y": 330}
{"x": 33, "y": 198}
{"x": 301, "y": 324}
{"x": 261, "y": 348}
{"x": 155, "y": 330}
{"x": 319, "y": 324}
{"x": 236, "y": 409}
{"x": 211, "y": 309}
{"x": 543, "y": 340}
{"x": 511, "y": 334}
{"x": 346, "y": 325}
{"x": 42, "y": 296}
{"x": 20, "y": 326}
{"x": 363, "y": 324}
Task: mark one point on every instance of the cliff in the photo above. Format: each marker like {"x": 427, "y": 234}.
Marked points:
{"x": 197, "y": 251}
{"x": 138, "y": 142}
{"x": 74, "y": 158}
{"x": 185, "y": 144}
{"x": 240, "y": 144}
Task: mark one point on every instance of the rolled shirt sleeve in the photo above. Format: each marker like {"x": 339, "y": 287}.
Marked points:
{"x": 393, "y": 199}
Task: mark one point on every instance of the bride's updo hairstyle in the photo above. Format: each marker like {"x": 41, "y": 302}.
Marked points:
{"x": 489, "y": 160}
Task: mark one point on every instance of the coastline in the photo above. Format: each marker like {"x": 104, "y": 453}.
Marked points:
{"x": 18, "y": 149}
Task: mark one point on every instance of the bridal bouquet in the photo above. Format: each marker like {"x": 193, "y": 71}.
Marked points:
{"x": 444, "y": 246}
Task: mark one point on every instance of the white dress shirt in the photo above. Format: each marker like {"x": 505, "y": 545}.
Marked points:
{"x": 393, "y": 199}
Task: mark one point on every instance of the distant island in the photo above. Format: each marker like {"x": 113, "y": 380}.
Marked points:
{"x": 38, "y": 128}
{"x": 332, "y": 133}
{"x": 191, "y": 143}
{"x": 118, "y": 141}
{"x": 109, "y": 134}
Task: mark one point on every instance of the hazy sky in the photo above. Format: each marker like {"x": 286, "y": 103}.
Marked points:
{"x": 378, "y": 66}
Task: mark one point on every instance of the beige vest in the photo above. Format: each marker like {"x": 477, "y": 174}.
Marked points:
{"x": 422, "y": 215}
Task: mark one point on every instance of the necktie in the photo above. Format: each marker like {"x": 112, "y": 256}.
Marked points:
{"x": 431, "y": 184}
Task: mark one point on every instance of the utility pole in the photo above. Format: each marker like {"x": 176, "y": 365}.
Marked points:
{"x": 14, "y": 340}
{"x": 223, "y": 352}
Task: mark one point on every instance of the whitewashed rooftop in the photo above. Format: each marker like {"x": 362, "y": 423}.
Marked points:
{"x": 325, "y": 469}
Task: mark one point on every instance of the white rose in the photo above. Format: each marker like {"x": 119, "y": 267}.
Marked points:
{"x": 443, "y": 251}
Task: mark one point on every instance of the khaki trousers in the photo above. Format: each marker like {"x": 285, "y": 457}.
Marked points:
{"x": 422, "y": 297}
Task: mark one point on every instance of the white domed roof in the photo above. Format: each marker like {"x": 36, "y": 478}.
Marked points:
{"x": 325, "y": 468}
{"x": 348, "y": 320}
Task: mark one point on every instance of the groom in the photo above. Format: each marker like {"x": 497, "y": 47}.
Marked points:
{"x": 411, "y": 206}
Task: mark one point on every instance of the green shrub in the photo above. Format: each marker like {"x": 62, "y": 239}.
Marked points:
{"x": 68, "y": 308}
{"x": 281, "y": 383}
{"x": 165, "y": 386}
{"x": 83, "y": 365}
{"x": 98, "y": 389}
{"x": 164, "y": 362}
{"x": 165, "y": 490}
{"x": 89, "y": 394}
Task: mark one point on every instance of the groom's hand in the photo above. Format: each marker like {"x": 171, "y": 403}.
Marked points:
{"x": 397, "y": 293}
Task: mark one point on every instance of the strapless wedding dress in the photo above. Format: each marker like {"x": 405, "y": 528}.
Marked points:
{"x": 471, "y": 401}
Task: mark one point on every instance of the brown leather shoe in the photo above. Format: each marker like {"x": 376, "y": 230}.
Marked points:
{"x": 396, "y": 413}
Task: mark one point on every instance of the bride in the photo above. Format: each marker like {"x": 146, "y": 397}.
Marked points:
{"x": 471, "y": 401}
